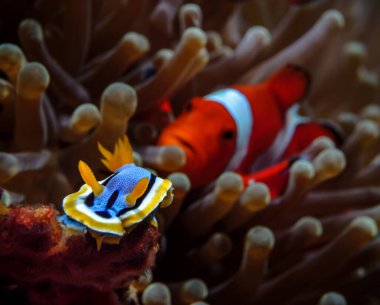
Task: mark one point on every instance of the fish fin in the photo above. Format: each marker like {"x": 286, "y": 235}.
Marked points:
{"x": 89, "y": 178}
{"x": 290, "y": 84}
{"x": 138, "y": 191}
{"x": 122, "y": 154}
{"x": 274, "y": 177}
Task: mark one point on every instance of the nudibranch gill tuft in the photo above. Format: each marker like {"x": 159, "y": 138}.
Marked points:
{"x": 113, "y": 206}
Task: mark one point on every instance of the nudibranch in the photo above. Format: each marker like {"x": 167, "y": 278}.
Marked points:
{"x": 112, "y": 207}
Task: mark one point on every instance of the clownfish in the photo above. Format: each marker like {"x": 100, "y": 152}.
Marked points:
{"x": 111, "y": 207}
{"x": 245, "y": 129}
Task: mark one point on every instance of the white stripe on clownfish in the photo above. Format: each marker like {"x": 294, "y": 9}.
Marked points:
{"x": 282, "y": 140}
{"x": 237, "y": 104}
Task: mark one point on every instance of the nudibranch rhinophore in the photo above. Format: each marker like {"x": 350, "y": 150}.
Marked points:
{"x": 113, "y": 206}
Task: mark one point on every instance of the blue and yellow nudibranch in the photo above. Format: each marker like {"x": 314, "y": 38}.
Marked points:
{"x": 112, "y": 207}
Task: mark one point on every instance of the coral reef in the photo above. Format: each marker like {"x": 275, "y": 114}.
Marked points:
{"x": 45, "y": 263}
{"x": 75, "y": 73}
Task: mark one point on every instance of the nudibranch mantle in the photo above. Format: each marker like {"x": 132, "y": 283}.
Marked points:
{"x": 111, "y": 207}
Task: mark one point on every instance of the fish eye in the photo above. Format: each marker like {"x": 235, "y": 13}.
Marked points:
{"x": 228, "y": 134}
{"x": 188, "y": 106}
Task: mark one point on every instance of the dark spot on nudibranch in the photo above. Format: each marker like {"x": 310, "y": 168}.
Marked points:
{"x": 112, "y": 199}
{"x": 103, "y": 214}
{"x": 89, "y": 201}
{"x": 122, "y": 211}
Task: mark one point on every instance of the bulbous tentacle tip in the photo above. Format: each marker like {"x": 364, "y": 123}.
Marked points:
{"x": 229, "y": 185}
{"x": 309, "y": 226}
{"x": 355, "y": 50}
{"x": 156, "y": 294}
{"x": 30, "y": 29}
{"x": 84, "y": 118}
{"x": 255, "y": 197}
{"x": 32, "y": 81}
{"x": 119, "y": 101}
{"x": 172, "y": 157}
{"x": 195, "y": 37}
{"x": 260, "y": 240}
{"x": 9, "y": 166}
{"x": 335, "y": 17}
{"x": 180, "y": 181}
{"x": 262, "y": 32}
{"x": 332, "y": 298}
{"x": 365, "y": 225}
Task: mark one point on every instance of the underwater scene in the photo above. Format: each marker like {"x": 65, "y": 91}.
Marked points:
{"x": 171, "y": 152}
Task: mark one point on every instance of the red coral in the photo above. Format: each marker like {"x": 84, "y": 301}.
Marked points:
{"x": 40, "y": 258}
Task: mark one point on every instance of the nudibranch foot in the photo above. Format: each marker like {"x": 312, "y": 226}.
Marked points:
{"x": 72, "y": 226}
{"x": 153, "y": 222}
{"x": 104, "y": 239}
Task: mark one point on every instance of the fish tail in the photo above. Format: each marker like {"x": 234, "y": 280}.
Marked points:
{"x": 290, "y": 84}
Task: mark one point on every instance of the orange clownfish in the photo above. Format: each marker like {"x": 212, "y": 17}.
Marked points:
{"x": 245, "y": 128}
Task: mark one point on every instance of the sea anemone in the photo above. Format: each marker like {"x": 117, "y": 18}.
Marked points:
{"x": 75, "y": 73}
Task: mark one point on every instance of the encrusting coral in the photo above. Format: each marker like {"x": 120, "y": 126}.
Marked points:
{"x": 41, "y": 260}
{"x": 78, "y": 73}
